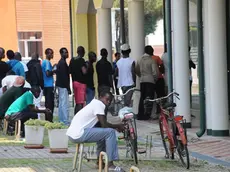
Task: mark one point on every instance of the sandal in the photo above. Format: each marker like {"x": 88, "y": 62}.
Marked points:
{"x": 116, "y": 169}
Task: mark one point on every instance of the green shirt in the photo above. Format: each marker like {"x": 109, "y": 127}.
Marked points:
{"x": 8, "y": 98}
{"x": 21, "y": 103}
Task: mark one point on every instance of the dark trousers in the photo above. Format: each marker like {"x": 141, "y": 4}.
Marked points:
{"x": 160, "y": 90}
{"x": 116, "y": 89}
{"x": 147, "y": 90}
{"x": 49, "y": 99}
{"x": 23, "y": 116}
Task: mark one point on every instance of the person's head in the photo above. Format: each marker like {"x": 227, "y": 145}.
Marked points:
{"x": 2, "y": 53}
{"x": 19, "y": 82}
{"x": 92, "y": 57}
{"x": 81, "y": 51}
{"x": 10, "y": 72}
{"x": 36, "y": 91}
{"x": 49, "y": 53}
{"x": 149, "y": 50}
{"x": 106, "y": 97}
{"x": 18, "y": 56}
{"x": 35, "y": 56}
{"x": 10, "y": 54}
{"x": 117, "y": 56}
{"x": 104, "y": 53}
{"x": 125, "y": 50}
{"x": 64, "y": 53}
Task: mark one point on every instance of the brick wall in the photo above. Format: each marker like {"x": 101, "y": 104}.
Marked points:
{"x": 51, "y": 17}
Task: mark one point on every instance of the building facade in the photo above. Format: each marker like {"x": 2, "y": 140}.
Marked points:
{"x": 32, "y": 26}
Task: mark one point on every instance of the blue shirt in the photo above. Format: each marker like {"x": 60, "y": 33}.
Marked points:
{"x": 17, "y": 67}
{"x": 48, "y": 80}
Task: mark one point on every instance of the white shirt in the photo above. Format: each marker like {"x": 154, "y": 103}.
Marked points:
{"x": 9, "y": 80}
{"x": 24, "y": 66}
{"x": 125, "y": 77}
{"x": 85, "y": 118}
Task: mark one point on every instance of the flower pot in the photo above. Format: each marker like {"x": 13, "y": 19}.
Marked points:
{"x": 34, "y": 136}
{"x": 58, "y": 140}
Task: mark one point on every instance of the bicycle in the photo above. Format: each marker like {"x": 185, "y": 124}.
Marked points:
{"x": 128, "y": 118}
{"x": 177, "y": 135}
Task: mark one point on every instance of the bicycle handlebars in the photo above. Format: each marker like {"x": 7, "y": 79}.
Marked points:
{"x": 162, "y": 98}
{"x": 131, "y": 89}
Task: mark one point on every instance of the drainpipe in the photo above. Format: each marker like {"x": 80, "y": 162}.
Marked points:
{"x": 201, "y": 69}
{"x": 164, "y": 19}
{"x": 122, "y": 23}
{"x": 169, "y": 44}
{"x": 71, "y": 27}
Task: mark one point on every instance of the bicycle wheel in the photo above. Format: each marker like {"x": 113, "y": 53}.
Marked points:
{"x": 182, "y": 149}
{"x": 133, "y": 145}
{"x": 164, "y": 138}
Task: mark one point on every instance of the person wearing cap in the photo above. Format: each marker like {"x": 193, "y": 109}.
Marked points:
{"x": 104, "y": 71}
{"x": 11, "y": 95}
{"x": 126, "y": 73}
{"x": 23, "y": 109}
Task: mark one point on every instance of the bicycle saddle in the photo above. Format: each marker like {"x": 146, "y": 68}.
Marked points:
{"x": 169, "y": 105}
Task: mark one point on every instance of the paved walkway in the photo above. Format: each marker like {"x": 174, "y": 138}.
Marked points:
{"x": 211, "y": 149}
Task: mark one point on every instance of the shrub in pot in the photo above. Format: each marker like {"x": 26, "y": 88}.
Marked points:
{"x": 34, "y": 133}
{"x": 58, "y": 140}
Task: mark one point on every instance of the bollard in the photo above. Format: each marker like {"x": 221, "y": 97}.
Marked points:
{"x": 150, "y": 146}
{"x": 103, "y": 154}
{"x": 146, "y": 146}
{"x": 134, "y": 169}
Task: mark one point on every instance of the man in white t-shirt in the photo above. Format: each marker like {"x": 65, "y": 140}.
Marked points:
{"x": 83, "y": 128}
{"x": 126, "y": 73}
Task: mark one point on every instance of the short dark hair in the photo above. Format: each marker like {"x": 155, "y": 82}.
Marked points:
{"x": 149, "y": 50}
{"x": 17, "y": 56}
{"x": 62, "y": 49}
{"x": 10, "y": 54}
{"x": 47, "y": 50}
{"x": 80, "y": 50}
{"x": 105, "y": 92}
{"x": 2, "y": 52}
{"x": 91, "y": 54}
{"x": 104, "y": 52}
{"x": 117, "y": 53}
{"x": 35, "y": 89}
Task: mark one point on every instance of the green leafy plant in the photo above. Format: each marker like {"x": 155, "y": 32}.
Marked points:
{"x": 36, "y": 122}
{"x": 55, "y": 125}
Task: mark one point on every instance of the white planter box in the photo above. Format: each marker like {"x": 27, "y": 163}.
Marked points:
{"x": 34, "y": 135}
{"x": 58, "y": 139}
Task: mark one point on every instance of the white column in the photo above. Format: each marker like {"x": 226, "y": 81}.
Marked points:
{"x": 181, "y": 58}
{"x": 218, "y": 67}
{"x": 136, "y": 39}
{"x": 104, "y": 31}
{"x": 207, "y": 69}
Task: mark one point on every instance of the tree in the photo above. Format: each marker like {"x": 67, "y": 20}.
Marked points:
{"x": 153, "y": 13}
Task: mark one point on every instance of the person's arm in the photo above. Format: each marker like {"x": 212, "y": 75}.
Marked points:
{"x": 192, "y": 64}
{"x": 133, "y": 72}
{"x": 155, "y": 69}
{"x": 40, "y": 76}
{"x": 33, "y": 108}
{"x": 4, "y": 89}
{"x": 105, "y": 124}
{"x": 48, "y": 70}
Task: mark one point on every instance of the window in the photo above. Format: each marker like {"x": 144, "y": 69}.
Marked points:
{"x": 30, "y": 43}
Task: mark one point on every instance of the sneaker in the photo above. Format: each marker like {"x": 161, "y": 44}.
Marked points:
{"x": 116, "y": 169}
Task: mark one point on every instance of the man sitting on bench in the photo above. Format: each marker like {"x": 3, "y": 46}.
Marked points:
{"x": 23, "y": 109}
{"x": 82, "y": 128}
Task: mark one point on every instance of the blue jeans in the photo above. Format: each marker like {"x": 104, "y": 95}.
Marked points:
{"x": 104, "y": 137}
{"x": 63, "y": 108}
{"x": 90, "y": 93}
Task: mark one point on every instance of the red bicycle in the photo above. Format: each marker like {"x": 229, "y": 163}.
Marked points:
{"x": 172, "y": 130}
